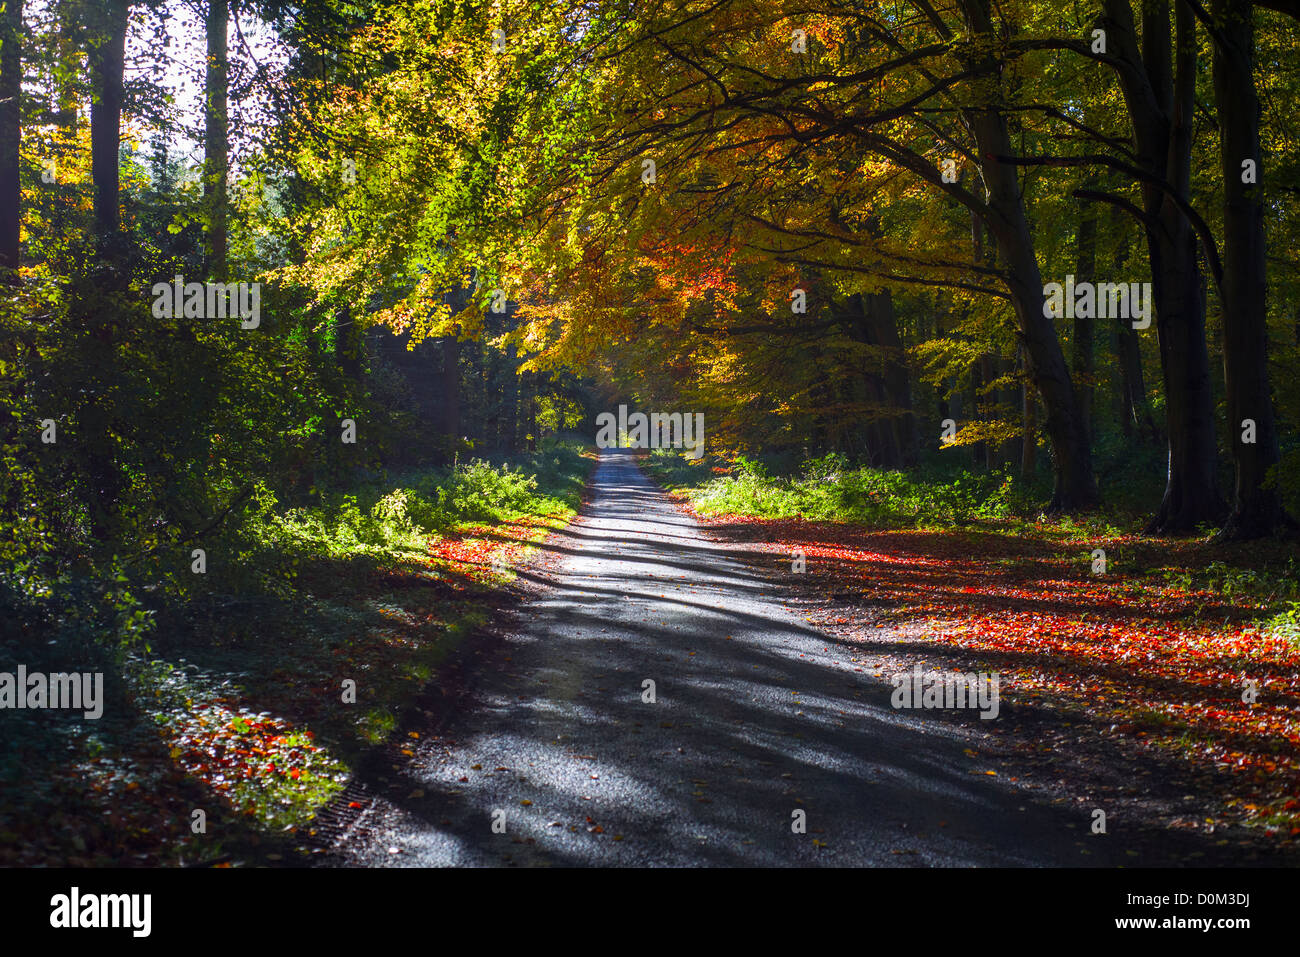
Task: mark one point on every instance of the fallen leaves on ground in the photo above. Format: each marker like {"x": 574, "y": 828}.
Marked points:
{"x": 1162, "y": 664}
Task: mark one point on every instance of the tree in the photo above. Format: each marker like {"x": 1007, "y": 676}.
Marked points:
{"x": 1159, "y": 84}
{"x": 11, "y": 78}
{"x": 216, "y": 148}
{"x": 108, "y": 21}
{"x": 1256, "y": 509}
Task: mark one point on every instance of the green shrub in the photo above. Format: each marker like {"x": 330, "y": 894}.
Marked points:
{"x": 480, "y": 492}
{"x": 827, "y": 488}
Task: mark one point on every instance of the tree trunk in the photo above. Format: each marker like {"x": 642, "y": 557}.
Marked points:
{"x": 1159, "y": 90}
{"x": 107, "y": 38}
{"x": 1192, "y": 494}
{"x": 451, "y": 390}
{"x": 883, "y": 323}
{"x": 1134, "y": 411}
{"x": 1074, "y": 484}
{"x": 216, "y": 148}
{"x": 979, "y": 451}
{"x": 1029, "y": 430}
{"x": 510, "y": 402}
{"x": 529, "y": 417}
{"x": 11, "y": 81}
{"x": 67, "y": 55}
{"x": 107, "y": 55}
{"x": 1256, "y": 510}
{"x": 1083, "y": 358}
{"x": 871, "y": 320}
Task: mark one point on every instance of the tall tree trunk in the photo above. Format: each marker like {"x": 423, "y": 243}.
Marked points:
{"x": 451, "y": 390}
{"x": 1074, "y": 484}
{"x": 510, "y": 402}
{"x": 68, "y": 49}
{"x": 529, "y": 417}
{"x": 979, "y": 451}
{"x": 107, "y": 56}
{"x": 1083, "y": 357}
{"x": 1132, "y": 409}
{"x": 216, "y": 147}
{"x": 11, "y": 82}
{"x": 1192, "y": 495}
{"x": 1256, "y": 510}
{"x": 1028, "y": 427}
{"x": 107, "y": 37}
{"x": 1159, "y": 89}
{"x": 870, "y": 319}
{"x": 896, "y": 378}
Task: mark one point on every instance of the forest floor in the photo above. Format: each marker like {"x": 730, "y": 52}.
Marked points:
{"x": 770, "y": 691}
{"x": 1133, "y": 691}
{"x": 239, "y": 707}
{"x": 1171, "y": 706}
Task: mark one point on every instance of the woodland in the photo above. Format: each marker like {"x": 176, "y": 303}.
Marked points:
{"x": 981, "y": 273}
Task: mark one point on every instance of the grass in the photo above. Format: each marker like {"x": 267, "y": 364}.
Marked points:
{"x": 252, "y": 692}
{"x": 829, "y": 489}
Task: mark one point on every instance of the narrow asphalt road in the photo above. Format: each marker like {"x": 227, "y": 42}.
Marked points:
{"x": 555, "y": 757}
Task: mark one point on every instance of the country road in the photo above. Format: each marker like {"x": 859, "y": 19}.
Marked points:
{"x": 756, "y": 716}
